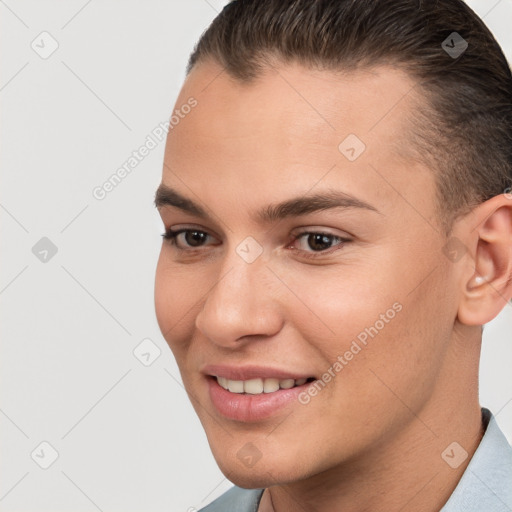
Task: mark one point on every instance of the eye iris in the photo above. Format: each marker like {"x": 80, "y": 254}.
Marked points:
{"x": 318, "y": 242}
{"x": 195, "y": 238}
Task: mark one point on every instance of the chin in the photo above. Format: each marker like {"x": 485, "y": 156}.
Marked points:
{"x": 250, "y": 481}
{"x": 257, "y": 474}
{"x": 250, "y": 478}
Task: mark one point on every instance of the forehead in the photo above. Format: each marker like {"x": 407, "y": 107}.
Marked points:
{"x": 292, "y": 99}
{"x": 288, "y": 128}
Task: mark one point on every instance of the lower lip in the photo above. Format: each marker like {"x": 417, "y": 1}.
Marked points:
{"x": 251, "y": 408}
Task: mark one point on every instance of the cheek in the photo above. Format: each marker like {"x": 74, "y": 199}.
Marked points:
{"x": 335, "y": 304}
{"x": 393, "y": 355}
{"x": 163, "y": 298}
{"x": 374, "y": 315}
{"x": 175, "y": 299}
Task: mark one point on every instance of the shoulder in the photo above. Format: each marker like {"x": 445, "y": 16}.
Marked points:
{"x": 236, "y": 499}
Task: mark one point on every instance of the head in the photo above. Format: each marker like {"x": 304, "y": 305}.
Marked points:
{"x": 343, "y": 181}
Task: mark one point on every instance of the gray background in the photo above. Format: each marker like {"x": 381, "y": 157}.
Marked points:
{"x": 126, "y": 436}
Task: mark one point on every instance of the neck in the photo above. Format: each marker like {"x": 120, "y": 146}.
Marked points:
{"x": 408, "y": 471}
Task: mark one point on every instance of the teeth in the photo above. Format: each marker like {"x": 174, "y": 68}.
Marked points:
{"x": 253, "y": 386}
{"x": 258, "y": 386}
{"x": 286, "y": 383}
{"x": 236, "y": 386}
{"x": 270, "y": 385}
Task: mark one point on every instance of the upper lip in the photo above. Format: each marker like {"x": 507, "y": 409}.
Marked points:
{"x": 251, "y": 372}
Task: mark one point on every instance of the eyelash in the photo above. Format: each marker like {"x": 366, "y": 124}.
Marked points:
{"x": 171, "y": 236}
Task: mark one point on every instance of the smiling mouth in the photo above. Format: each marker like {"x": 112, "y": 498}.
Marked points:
{"x": 260, "y": 386}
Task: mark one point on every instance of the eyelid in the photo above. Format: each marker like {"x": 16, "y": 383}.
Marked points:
{"x": 191, "y": 227}
{"x": 321, "y": 230}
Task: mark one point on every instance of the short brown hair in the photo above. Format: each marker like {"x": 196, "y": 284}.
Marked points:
{"x": 463, "y": 131}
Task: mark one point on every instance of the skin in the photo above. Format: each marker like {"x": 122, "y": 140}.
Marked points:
{"x": 372, "y": 439}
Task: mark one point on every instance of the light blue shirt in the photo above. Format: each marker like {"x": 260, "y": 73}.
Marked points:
{"x": 485, "y": 486}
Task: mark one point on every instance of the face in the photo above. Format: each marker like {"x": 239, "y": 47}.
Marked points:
{"x": 300, "y": 254}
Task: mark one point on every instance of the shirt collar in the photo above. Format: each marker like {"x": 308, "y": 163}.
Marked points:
{"x": 487, "y": 482}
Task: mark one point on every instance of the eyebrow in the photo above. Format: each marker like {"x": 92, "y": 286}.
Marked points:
{"x": 302, "y": 205}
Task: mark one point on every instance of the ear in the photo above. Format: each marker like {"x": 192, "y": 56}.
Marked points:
{"x": 488, "y": 286}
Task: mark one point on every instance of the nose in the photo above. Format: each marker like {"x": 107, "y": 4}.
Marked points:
{"x": 241, "y": 305}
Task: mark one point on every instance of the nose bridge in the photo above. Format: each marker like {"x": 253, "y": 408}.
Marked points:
{"x": 240, "y": 303}
{"x": 234, "y": 280}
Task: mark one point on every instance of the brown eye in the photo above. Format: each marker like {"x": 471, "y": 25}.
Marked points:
{"x": 319, "y": 241}
{"x": 195, "y": 238}
{"x": 315, "y": 244}
{"x": 187, "y": 238}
